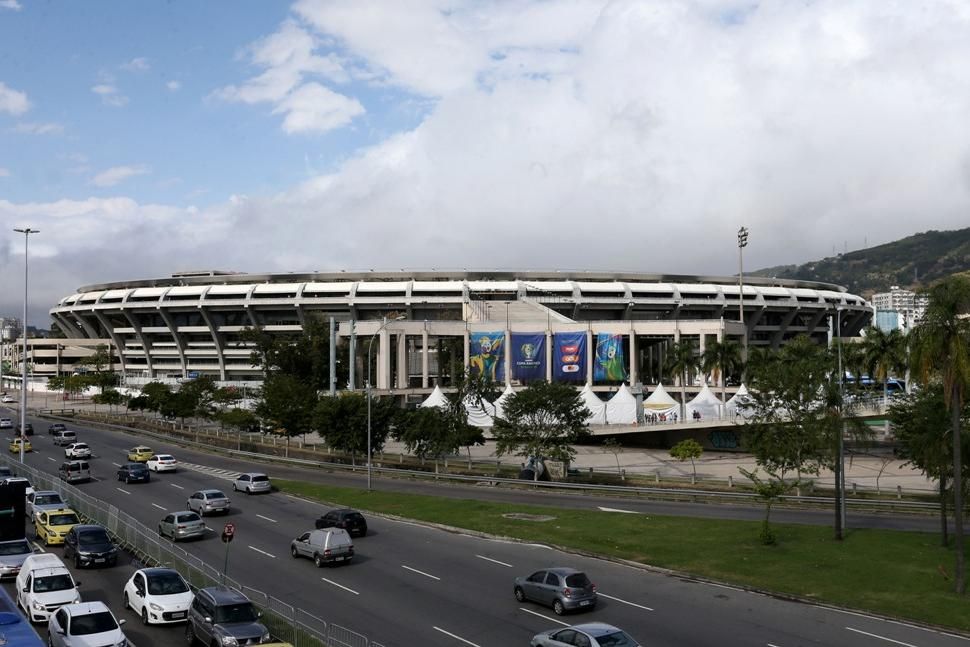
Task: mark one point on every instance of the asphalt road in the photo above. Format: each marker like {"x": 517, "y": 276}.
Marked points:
{"x": 413, "y": 585}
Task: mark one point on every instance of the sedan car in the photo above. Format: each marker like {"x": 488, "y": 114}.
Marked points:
{"x": 594, "y": 634}
{"x": 85, "y": 624}
{"x": 251, "y": 483}
{"x": 181, "y": 525}
{"x": 28, "y": 430}
{"x": 208, "y": 501}
{"x": 55, "y": 427}
{"x": 162, "y": 463}
{"x": 7, "y": 399}
{"x": 43, "y": 500}
{"x": 158, "y": 595}
{"x": 134, "y": 473}
{"x": 6, "y": 423}
{"x": 563, "y": 589}
{"x": 77, "y": 450}
{"x": 140, "y": 454}
{"x": 90, "y": 545}
{"x": 13, "y": 552}
{"x": 350, "y": 520}
{"x": 52, "y": 526}
{"x": 17, "y": 442}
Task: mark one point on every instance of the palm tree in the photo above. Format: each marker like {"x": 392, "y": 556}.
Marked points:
{"x": 941, "y": 347}
{"x": 884, "y": 354}
{"x": 681, "y": 360}
{"x": 721, "y": 358}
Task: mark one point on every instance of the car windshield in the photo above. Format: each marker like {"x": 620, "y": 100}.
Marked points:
{"x": 186, "y": 517}
{"x": 93, "y": 623}
{"x": 48, "y": 499}
{"x": 355, "y": 516}
{"x": 577, "y": 580}
{"x": 94, "y": 536}
{"x": 166, "y": 584}
{"x": 66, "y": 519}
{"x": 53, "y": 583}
{"x": 236, "y": 613}
{"x": 163, "y": 457}
{"x": 14, "y": 547}
{"x": 616, "y": 639}
{"x": 214, "y": 494}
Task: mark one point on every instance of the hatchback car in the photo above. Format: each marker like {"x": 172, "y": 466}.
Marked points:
{"x": 55, "y": 427}
{"x": 224, "y": 616}
{"x": 134, "y": 473}
{"x": 85, "y": 624}
{"x": 52, "y": 526}
{"x": 181, "y": 525}
{"x": 251, "y": 483}
{"x": 162, "y": 463}
{"x": 593, "y": 634}
{"x": 563, "y": 589}
{"x": 77, "y": 450}
{"x": 64, "y": 438}
{"x": 158, "y": 595}
{"x": 90, "y": 545}
{"x": 350, "y": 520}
{"x": 28, "y": 430}
{"x": 140, "y": 454}
{"x": 43, "y": 500}
{"x": 13, "y": 552}
{"x": 6, "y": 423}
{"x": 15, "y": 445}
{"x": 7, "y": 399}
{"x": 208, "y": 501}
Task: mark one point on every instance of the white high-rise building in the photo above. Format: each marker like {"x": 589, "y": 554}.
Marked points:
{"x": 907, "y": 305}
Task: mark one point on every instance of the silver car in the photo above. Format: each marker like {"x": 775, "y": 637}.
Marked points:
{"x": 594, "y": 634}
{"x": 251, "y": 483}
{"x": 181, "y": 525}
{"x": 563, "y": 589}
{"x": 12, "y": 556}
{"x": 208, "y": 501}
{"x": 43, "y": 500}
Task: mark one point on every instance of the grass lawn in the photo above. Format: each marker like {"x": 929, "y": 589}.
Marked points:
{"x": 887, "y": 572}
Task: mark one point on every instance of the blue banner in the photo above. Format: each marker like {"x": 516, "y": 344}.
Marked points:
{"x": 569, "y": 357}
{"x": 486, "y": 354}
{"x": 528, "y": 356}
{"x": 608, "y": 364}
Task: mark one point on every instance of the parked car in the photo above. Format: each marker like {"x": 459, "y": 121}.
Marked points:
{"x": 77, "y": 450}
{"x": 162, "y": 463}
{"x": 207, "y": 502}
{"x": 252, "y": 483}
{"x": 223, "y": 616}
{"x": 6, "y": 423}
{"x": 85, "y": 624}
{"x": 134, "y": 473}
{"x": 158, "y": 595}
{"x": 52, "y": 526}
{"x": 593, "y": 634}
{"x": 43, "y": 585}
{"x": 55, "y": 427}
{"x": 90, "y": 545}
{"x": 27, "y": 430}
{"x": 74, "y": 471}
{"x": 329, "y": 546}
{"x": 15, "y": 445}
{"x": 7, "y": 399}
{"x": 181, "y": 525}
{"x": 9, "y": 480}
{"x": 563, "y": 589}
{"x": 43, "y": 500}
{"x": 65, "y": 437}
{"x": 13, "y": 552}
{"x": 350, "y": 520}
{"x": 140, "y": 454}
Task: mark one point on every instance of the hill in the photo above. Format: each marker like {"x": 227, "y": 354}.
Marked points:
{"x": 912, "y": 262}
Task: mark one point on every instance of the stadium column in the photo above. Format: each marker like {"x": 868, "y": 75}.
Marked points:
{"x": 402, "y": 360}
{"x": 508, "y": 355}
{"x": 548, "y": 356}
{"x": 589, "y": 354}
{"x": 424, "y": 356}
{"x": 467, "y": 341}
{"x": 384, "y": 360}
{"x": 634, "y": 378}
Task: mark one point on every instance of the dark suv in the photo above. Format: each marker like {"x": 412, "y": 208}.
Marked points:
{"x": 28, "y": 430}
{"x": 223, "y": 616}
{"x": 350, "y": 520}
{"x": 90, "y": 545}
{"x": 133, "y": 473}
{"x": 55, "y": 427}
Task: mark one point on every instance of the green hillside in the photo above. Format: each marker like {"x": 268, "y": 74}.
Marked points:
{"x": 911, "y": 262}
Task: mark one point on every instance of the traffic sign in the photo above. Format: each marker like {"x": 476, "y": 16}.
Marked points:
{"x": 228, "y": 531}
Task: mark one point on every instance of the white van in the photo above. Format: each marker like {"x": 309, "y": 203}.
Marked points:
{"x": 325, "y": 546}
{"x": 65, "y": 437}
{"x": 44, "y": 585}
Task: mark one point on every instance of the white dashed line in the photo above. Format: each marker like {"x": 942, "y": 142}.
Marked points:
{"x": 267, "y": 518}
{"x": 866, "y": 633}
{"x": 339, "y": 586}
{"x": 177, "y": 486}
{"x": 770, "y": 645}
{"x": 158, "y": 506}
{"x": 544, "y": 617}
{"x": 122, "y": 490}
{"x": 51, "y": 459}
{"x": 448, "y": 633}
{"x": 262, "y": 552}
{"x": 495, "y": 561}
{"x": 414, "y": 570}
{"x": 632, "y": 604}
{"x": 117, "y": 464}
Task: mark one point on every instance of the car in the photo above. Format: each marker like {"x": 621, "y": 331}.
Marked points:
{"x": 5, "y": 472}
{"x": 10, "y": 480}
{"x": 85, "y": 624}
{"x": 64, "y": 437}
{"x": 77, "y": 450}
{"x": 350, "y": 520}
{"x": 208, "y": 501}
{"x": 26, "y": 430}
{"x": 252, "y": 483}
{"x": 593, "y": 634}
{"x": 328, "y": 546}
{"x": 7, "y": 399}
{"x": 223, "y": 616}
{"x": 158, "y": 595}
{"x": 15, "y": 445}
{"x": 162, "y": 463}
{"x": 43, "y": 500}
{"x": 564, "y": 589}
{"x": 74, "y": 471}
{"x": 52, "y": 526}
{"x": 6, "y": 423}
{"x": 140, "y": 454}
{"x": 55, "y": 427}
{"x": 13, "y": 552}
{"x": 134, "y": 473}
{"x": 181, "y": 525}
{"x": 90, "y": 545}
{"x": 43, "y": 585}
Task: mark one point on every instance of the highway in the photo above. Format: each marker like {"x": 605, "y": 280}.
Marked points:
{"x": 414, "y": 585}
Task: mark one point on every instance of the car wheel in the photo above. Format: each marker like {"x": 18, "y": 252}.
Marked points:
{"x": 519, "y": 594}
{"x": 144, "y": 616}
{"x": 189, "y": 635}
{"x": 234, "y": 488}
{"x": 160, "y": 533}
{"x": 294, "y": 552}
{"x": 77, "y": 561}
{"x": 126, "y": 602}
{"x": 558, "y": 608}
{"x": 318, "y": 560}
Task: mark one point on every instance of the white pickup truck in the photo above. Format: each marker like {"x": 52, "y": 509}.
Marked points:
{"x": 44, "y": 585}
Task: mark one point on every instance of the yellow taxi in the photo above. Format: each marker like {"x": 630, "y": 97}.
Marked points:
{"x": 140, "y": 454}
{"x": 53, "y": 525}
{"x": 15, "y": 445}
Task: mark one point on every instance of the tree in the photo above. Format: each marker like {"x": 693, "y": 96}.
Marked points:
{"x": 681, "y": 361}
{"x": 288, "y": 404}
{"x": 542, "y": 421}
{"x": 688, "y": 449}
{"x": 238, "y": 419}
{"x": 305, "y": 355}
{"x": 476, "y": 390}
{"x": 770, "y": 490}
{"x": 941, "y": 349}
{"x": 342, "y": 420}
{"x": 101, "y": 357}
{"x": 720, "y": 359}
{"x": 156, "y": 394}
{"x": 426, "y": 432}
{"x": 110, "y": 397}
{"x": 613, "y": 446}
{"x": 884, "y": 353}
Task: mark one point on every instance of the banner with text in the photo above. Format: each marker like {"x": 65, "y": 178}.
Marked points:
{"x": 608, "y": 364}
{"x": 528, "y": 356}
{"x": 569, "y": 357}
{"x": 486, "y": 355}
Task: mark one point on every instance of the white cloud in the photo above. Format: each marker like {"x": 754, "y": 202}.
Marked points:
{"x": 118, "y": 174}
{"x": 4, "y": 172}
{"x": 314, "y": 108}
{"x": 110, "y": 96}
{"x": 13, "y": 101}
{"x": 173, "y": 86}
{"x": 139, "y": 64}
{"x": 35, "y": 128}
{"x": 13, "y": 5}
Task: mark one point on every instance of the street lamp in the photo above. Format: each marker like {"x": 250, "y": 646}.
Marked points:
{"x": 742, "y": 243}
{"x": 27, "y": 231}
{"x": 840, "y": 460}
{"x": 370, "y": 343}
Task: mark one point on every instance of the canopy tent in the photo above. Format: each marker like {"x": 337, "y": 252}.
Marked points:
{"x": 500, "y": 400}
{"x": 622, "y": 407}
{"x": 480, "y": 415}
{"x": 436, "y": 399}
{"x": 660, "y": 403}
{"x": 739, "y": 403}
{"x": 705, "y": 404}
{"x": 596, "y": 406}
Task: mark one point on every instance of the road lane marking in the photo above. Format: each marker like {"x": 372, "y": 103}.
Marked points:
{"x": 448, "y": 633}
{"x": 158, "y": 506}
{"x": 602, "y": 509}
{"x": 632, "y": 604}
{"x": 770, "y": 645}
{"x": 420, "y": 572}
{"x": 262, "y": 552}
{"x": 51, "y": 459}
{"x": 489, "y": 559}
{"x": 267, "y": 518}
{"x": 208, "y": 528}
{"x": 339, "y": 586}
{"x": 178, "y": 486}
{"x": 122, "y": 491}
{"x": 544, "y": 617}
{"x": 897, "y": 622}
{"x": 117, "y": 464}
{"x": 866, "y": 633}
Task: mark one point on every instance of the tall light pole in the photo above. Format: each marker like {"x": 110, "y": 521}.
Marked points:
{"x": 742, "y": 243}
{"x": 370, "y": 343}
{"x": 27, "y": 231}
{"x": 840, "y": 460}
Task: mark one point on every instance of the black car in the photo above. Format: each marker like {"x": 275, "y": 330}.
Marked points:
{"x": 133, "y": 472}
{"x": 90, "y": 545}
{"x": 28, "y": 430}
{"x": 57, "y": 426}
{"x": 350, "y": 520}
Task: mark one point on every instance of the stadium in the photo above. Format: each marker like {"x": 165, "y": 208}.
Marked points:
{"x": 595, "y": 328}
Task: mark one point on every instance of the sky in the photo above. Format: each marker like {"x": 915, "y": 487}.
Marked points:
{"x": 143, "y": 139}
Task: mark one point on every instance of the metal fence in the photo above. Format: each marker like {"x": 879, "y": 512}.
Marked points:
{"x": 285, "y": 622}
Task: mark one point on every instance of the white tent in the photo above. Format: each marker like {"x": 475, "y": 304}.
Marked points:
{"x": 622, "y": 408}
{"x": 706, "y": 404}
{"x": 480, "y": 415}
{"x": 436, "y": 399}
{"x": 596, "y": 406}
{"x": 739, "y": 403}
{"x": 660, "y": 403}
{"x": 500, "y": 400}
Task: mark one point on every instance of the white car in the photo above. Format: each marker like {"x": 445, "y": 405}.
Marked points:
{"x": 158, "y": 595}
{"x": 162, "y": 463}
{"x": 6, "y": 423}
{"x": 86, "y": 624}
{"x": 7, "y": 399}
{"x": 77, "y": 450}
{"x": 43, "y": 585}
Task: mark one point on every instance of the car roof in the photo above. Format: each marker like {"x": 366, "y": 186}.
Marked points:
{"x": 596, "y": 629}
{"x": 89, "y": 526}
{"x": 140, "y": 448}
{"x": 37, "y": 493}
{"x": 158, "y": 570}
{"x": 253, "y": 474}
{"x": 563, "y": 570}
{"x": 224, "y": 595}
{"x": 86, "y": 608}
{"x": 211, "y": 490}
{"x": 344, "y": 510}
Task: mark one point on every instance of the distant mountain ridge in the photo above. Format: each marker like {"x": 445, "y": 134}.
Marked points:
{"x": 912, "y": 262}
